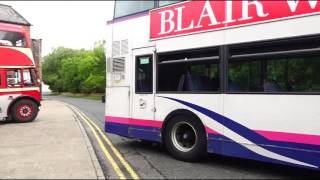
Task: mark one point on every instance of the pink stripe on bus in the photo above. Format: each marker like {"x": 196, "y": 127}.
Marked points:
{"x": 291, "y": 137}
{"x": 275, "y": 136}
{"x": 120, "y": 120}
{"x": 211, "y": 131}
{"x": 131, "y": 121}
{"x": 143, "y": 122}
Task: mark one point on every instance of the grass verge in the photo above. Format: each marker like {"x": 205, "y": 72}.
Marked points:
{"x": 96, "y": 96}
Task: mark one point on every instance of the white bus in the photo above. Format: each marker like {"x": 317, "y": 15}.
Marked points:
{"x": 236, "y": 78}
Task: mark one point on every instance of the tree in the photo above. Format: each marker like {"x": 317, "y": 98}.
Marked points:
{"x": 70, "y": 70}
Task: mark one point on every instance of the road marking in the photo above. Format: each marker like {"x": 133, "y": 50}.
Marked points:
{"x": 114, "y": 149}
{"x": 103, "y": 148}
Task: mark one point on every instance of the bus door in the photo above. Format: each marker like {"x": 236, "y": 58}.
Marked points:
{"x": 143, "y": 94}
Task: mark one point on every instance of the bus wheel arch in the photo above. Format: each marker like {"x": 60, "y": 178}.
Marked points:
{"x": 186, "y": 124}
{"x": 23, "y": 109}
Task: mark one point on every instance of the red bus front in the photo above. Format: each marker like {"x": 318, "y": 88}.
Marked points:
{"x": 19, "y": 85}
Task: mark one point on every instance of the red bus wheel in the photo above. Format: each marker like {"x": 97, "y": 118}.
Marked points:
{"x": 24, "y": 111}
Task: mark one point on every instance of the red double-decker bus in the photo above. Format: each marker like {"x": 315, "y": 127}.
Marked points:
{"x": 19, "y": 85}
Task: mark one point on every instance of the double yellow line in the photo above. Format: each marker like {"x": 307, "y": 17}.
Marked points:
{"x": 96, "y": 130}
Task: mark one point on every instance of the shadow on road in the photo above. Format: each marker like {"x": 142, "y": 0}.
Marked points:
{"x": 230, "y": 163}
{"x": 260, "y": 167}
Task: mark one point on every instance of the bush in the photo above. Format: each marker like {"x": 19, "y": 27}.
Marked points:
{"x": 76, "y": 71}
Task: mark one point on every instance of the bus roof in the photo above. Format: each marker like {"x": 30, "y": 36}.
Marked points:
{"x": 9, "y": 15}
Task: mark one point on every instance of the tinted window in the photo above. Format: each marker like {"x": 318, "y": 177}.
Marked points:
{"x": 144, "y": 74}
{"x": 189, "y": 77}
{"x": 124, "y": 8}
{"x": 284, "y": 66}
{"x": 165, "y": 3}
{"x": 15, "y": 39}
{"x": 245, "y": 76}
{"x": 300, "y": 74}
{"x": 189, "y": 71}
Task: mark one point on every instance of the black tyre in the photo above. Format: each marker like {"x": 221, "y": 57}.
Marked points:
{"x": 185, "y": 138}
{"x": 24, "y": 111}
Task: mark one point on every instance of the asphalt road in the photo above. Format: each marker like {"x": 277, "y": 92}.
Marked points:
{"x": 150, "y": 160}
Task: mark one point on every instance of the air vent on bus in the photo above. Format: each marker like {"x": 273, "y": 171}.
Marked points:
{"x": 115, "y": 48}
{"x": 118, "y": 64}
{"x": 120, "y": 48}
{"x": 124, "y": 47}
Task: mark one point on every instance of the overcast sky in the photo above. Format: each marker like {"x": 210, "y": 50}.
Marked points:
{"x": 73, "y": 24}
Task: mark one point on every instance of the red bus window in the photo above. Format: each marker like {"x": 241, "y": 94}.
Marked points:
{"x": 15, "y": 39}
{"x": 29, "y": 77}
{"x": 13, "y": 78}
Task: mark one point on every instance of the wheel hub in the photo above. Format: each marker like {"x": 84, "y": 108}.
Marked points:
{"x": 184, "y": 136}
{"x": 25, "y": 111}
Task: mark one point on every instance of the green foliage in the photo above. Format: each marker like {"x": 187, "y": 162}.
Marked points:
{"x": 76, "y": 71}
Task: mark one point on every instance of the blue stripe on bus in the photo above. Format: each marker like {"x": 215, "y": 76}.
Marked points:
{"x": 273, "y": 146}
{"x": 218, "y": 144}
{"x": 232, "y": 125}
{"x": 233, "y": 149}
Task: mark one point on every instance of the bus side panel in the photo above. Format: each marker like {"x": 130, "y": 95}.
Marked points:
{"x": 310, "y": 159}
{"x": 167, "y": 103}
{"x": 296, "y": 116}
{"x": 295, "y": 145}
{"x": 5, "y": 99}
{"x": 282, "y": 127}
{"x": 117, "y": 110}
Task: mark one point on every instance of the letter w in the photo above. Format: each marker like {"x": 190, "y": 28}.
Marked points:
{"x": 293, "y": 4}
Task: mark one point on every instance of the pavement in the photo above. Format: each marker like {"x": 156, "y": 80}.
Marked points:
{"x": 53, "y": 146}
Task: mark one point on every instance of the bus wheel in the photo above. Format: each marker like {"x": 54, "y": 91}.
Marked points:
{"x": 185, "y": 138}
{"x": 24, "y": 110}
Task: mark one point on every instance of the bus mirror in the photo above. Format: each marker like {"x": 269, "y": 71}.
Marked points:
{"x": 103, "y": 98}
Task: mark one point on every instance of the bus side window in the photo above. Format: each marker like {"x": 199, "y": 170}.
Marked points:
{"x": 28, "y": 78}
{"x": 14, "y": 78}
{"x": 144, "y": 74}
{"x": 5, "y": 43}
{"x": 166, "y": 2}
{"x": 8, "y": 38}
